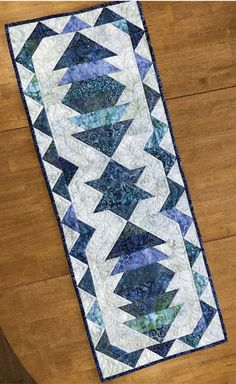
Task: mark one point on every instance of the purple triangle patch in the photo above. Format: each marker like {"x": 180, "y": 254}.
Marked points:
{"x": 143, "y": 65}
{"x": 74, "y": 24}
{"x": 87, "y": 71}
{"x": 138, "y": 259}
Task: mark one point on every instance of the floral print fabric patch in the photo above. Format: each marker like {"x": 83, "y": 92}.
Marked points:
{"x": 94, "y": 101}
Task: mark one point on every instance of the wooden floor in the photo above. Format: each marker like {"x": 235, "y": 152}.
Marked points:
{"x": 195, "y": 45}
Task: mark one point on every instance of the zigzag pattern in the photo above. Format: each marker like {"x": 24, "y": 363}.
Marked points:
{"x": 95, "y": 109}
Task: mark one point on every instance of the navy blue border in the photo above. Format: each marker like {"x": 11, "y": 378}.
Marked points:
{"x": 7, "y": 26}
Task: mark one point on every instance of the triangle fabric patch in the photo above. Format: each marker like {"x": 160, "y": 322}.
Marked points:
{"x": 133, "y": 239}
{"x": 107, "y": 16}
{"x": 74, "y": 24}
{"x": 105, "y": 139}
{"x": 82, "y": 50}
{"x": 143, "y": 65}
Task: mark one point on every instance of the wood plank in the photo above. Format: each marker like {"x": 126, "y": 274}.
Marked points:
{"x": 193, "y": 42}
{"x": 30, "y": 241}
{"x": 203, "y": 114}
{"x": 11, "y": 370}
{"x": 204, "y": 126}
{"x": 211, "y": 174}
{"x": 43, "y": 324}
{"x": 208, "y": 157}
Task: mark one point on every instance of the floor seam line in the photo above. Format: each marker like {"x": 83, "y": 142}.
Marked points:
{"x": 167, "y": 98}
{"x": 200, "y": 93}
{"x": 68, "y": 274}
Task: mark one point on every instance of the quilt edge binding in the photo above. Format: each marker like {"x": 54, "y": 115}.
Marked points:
{"x": 7, "y": 26}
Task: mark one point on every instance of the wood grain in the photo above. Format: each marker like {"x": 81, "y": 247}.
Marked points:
{"x": 45, "y": 329}
{"x": 11, "y": 370}
{"x": 28, "y": 220}
{"x": 196, "y": 51}
{"x": 193, "y": 44}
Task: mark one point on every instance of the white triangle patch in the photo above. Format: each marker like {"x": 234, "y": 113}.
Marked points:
{"x": 147, "y": 357}
{"x": 129, "y": 11}
{"x": 57, "y": 24}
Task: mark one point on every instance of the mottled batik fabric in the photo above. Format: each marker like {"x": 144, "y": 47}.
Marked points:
{"x": 98, "y": 118}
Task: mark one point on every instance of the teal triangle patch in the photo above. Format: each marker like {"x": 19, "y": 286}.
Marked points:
{"x": 105, "y": 139}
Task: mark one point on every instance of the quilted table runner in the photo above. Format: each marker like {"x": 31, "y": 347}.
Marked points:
{"x": 101, "y": 129}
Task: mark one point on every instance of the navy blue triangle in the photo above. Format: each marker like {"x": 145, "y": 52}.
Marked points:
{"x": 152, "y": 96}
{"x": 208, "y": 312}
{"x": 193, "y": 251}
{"x": 82, "y": 50}
{"x": 25, "y": 55}
{"x": 79, "y": 248}
{"x": 41, "y": 123}
{"x": 61, "y": 188}
{"x": 192, "y": 339}
{"x": 161, "y": 154}
{"x": 152, "y": 146}
{"x": 176, "y": 191}
{"x": 162, "y": 349}
{"x": 86, "y": 283}
{"x": 106, "y": 138}
{"x": 107, "y": 16}
{"x": 144, "y": 284}
{"x": 68, "y": 169}
{"x": 133, "y": 239}
{"x": 129, "y": 358}
{"x": 51, "y": 155}
{"x": 85, "y": 231}
{"x": 135, "y": 33}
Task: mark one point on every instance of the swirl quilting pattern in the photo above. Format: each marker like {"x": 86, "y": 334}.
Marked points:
{"x": 99, "y": 121}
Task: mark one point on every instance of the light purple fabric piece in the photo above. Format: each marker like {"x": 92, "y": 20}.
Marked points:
{"x": 87, "y": 71}
{"x": 75, "y": 24}
{"x": 138, "y": 259}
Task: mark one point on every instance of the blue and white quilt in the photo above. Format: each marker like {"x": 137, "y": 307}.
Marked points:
{"x": 99, "y": 121}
